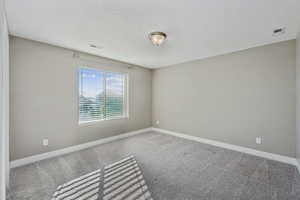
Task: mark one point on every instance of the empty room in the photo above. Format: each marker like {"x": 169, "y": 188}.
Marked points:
{"x": 149, "y": 100}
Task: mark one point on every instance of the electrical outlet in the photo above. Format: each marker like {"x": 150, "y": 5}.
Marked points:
{"x": 157, "y": 122}
{"x": 258, "y": 140}
{"x": 45, "y": 142}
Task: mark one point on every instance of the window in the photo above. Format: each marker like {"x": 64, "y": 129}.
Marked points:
{"x": 102, "y": 95}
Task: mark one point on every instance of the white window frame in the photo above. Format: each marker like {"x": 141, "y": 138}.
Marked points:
{"x": 125, "y": 100}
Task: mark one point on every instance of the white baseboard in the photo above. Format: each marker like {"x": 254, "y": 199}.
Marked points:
{"x": 51, "y": 154}
{"x": 271, "y": 156}
{"x": 39, "y": 157}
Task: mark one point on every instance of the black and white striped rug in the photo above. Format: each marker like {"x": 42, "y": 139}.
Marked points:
{"x": 122, "y": 180}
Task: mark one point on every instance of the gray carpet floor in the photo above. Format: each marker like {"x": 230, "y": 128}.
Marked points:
{"x": 173, "y": 168}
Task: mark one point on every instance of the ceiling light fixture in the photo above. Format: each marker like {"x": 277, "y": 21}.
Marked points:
{"x": 157, "y": 38}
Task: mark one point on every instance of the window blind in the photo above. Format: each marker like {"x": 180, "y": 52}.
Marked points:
{"x": 101, "y": 95}
{"x": 114, "y": 103}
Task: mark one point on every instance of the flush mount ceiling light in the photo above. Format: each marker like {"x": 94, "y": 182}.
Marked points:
{"x": 157, "y": 38}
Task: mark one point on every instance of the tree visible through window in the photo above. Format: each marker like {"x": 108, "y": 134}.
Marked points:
{"x": 101, "y": 95}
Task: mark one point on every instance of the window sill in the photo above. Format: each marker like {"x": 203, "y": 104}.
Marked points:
{"x": 90, "y": 123}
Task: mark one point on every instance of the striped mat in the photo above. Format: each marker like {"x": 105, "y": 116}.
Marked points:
{"x": 122, "y": 180}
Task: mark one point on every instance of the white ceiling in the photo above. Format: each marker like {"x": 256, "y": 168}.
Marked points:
{"x": 196, "y": 28}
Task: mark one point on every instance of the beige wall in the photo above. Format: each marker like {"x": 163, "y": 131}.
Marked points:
{"x": 298, "y": 99}
{"x": 43, "y": 96}
{"x": 232, "y": 98}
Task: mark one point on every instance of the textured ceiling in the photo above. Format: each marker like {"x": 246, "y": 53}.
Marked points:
{"x": 196, "y": 28}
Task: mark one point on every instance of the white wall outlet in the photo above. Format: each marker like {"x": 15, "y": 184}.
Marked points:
{"x": 45, "y": 142}
{"x": 157, "y": 122}
{"x": 258, "y": 140}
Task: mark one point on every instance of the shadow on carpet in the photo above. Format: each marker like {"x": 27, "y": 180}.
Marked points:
{"x": 121, "y": 180}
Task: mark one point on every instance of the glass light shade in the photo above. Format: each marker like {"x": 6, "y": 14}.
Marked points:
{"x": 157, "y": 38}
